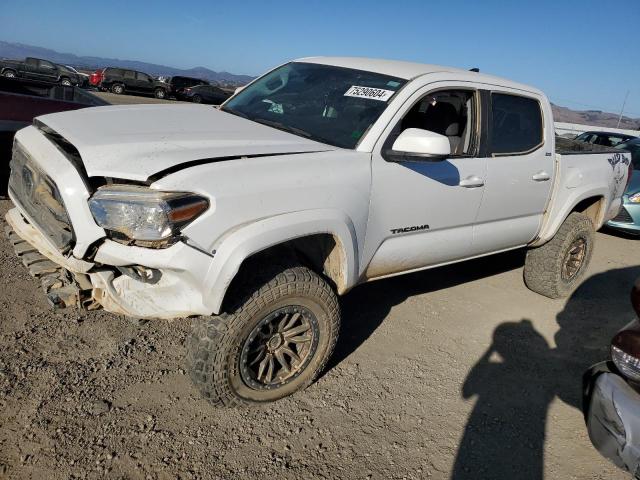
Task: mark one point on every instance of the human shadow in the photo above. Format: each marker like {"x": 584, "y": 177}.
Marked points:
{"x": 519, "y": 375}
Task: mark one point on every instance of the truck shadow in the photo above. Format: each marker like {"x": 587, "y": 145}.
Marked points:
{"x": 519, "y": 375}
{"x": 366, "y": 307}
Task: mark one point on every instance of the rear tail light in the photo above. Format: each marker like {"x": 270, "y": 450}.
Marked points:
{"x": 625, "y": 346}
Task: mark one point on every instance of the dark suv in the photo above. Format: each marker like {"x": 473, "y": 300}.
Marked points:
{"x": 178, "y": 85}
{"x": 121, "y": 80}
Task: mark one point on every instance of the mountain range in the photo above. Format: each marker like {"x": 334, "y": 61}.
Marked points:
{"x": 20, "y": 51}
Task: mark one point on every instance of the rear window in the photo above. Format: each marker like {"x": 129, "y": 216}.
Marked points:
{"x": 516, "y": 124}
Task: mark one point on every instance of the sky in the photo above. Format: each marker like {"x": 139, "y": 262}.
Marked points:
{"x": 583, "y": 54}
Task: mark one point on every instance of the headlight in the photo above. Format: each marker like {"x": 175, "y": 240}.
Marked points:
{"x": 625, "y": 351}
{"x": 143, "y": 214}
{"x": 635, "y": 198}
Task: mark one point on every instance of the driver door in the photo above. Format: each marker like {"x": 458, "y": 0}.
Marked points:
{"x": 423, "y": 210}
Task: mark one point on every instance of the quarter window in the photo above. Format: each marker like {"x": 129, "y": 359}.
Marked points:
{"x": 516, "y": 124}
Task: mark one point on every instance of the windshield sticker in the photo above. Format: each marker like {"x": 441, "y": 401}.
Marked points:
{"x": 370, "y": 93}
{"x": 393, "y": 84}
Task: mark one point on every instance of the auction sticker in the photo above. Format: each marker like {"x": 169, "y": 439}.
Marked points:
{"x": 367, "y": 92}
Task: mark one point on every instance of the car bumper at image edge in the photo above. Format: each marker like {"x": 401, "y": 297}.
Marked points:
{"x": 612, "y": 414}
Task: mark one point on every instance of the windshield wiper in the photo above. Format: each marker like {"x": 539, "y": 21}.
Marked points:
{"x": 283, "y": 127}
{"x": 234, "y": 112}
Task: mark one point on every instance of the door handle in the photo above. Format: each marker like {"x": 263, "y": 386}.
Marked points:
{"x": 541, "y": 176}
{"x": 471, "y": 182}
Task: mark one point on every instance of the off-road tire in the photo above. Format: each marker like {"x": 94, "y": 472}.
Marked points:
{"x": 117, "y": 88}
{"x": 160, "y": 93}
{"x": 9, "y": 74}
{"x": 215, "y": 343}
{"x": 544, "y": 265}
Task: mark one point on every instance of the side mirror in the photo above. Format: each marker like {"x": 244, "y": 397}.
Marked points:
{"x": 422, "y": 143}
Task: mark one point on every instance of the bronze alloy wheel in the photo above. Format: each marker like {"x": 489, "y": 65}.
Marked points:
{"x": 574, "y": 259}
{"x": 279, "y": 348}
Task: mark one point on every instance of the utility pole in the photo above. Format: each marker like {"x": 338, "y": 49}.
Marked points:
{"x": 622, "y": 109}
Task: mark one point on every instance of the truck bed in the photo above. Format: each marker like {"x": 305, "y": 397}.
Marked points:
{"x": 566, "y": 146}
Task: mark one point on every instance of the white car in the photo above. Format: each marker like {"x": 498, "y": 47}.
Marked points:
{"x": 320, "y": 175}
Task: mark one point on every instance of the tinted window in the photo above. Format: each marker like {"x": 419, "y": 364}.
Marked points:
{"x": 47, "y": 65}
{"x": 516, "y": 124}
{"x": 143, "y": 77}
{"x": 116, "y": 72}
{"x": 130, "y": 74}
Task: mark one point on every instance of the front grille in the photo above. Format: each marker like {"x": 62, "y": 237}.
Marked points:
{"x": 622, "y": 217}
{"x": 38, "y": 196}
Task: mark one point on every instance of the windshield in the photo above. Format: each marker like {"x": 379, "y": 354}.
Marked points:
{"x": 328, "y": 104}
{"x": 632, "y": 146}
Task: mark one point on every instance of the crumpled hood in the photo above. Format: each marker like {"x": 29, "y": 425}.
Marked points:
{"x": 137, "y": 141}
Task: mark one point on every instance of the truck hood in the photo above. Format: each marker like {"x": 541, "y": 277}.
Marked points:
{"x": 137, "y": 142}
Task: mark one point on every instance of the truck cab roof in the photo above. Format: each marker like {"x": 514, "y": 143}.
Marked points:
{"x": 412, "y": 70}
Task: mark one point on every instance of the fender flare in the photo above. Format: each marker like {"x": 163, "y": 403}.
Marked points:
{"x": 555, "y": 219}
{"x": 255, "y": 237}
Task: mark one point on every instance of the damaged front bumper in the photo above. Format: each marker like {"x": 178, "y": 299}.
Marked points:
{"x": 113, "y": 280}
{"x": 612, "y": 414}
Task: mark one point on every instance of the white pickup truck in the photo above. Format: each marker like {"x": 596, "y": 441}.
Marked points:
{"x": 322, "y": 174}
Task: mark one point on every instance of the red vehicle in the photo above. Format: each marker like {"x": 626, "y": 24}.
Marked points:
{"x": 96, "y": 77}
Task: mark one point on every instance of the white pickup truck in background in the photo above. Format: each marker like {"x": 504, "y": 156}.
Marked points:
{"x": 320, "y": 175}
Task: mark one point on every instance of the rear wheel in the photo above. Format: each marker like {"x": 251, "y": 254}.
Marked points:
{"x": 65, "y": 81}
{"x": 9, "y": 74}
{"x": 160, "y": 93}
{"x": 556, "y": 268}
{"x": 117, "y": 88}
{"x": 196, "y": 99}
{"x": 273, "y": 342}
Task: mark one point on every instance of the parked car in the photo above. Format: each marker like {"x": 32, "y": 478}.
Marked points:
{"x": 206, "y": 94}
{"x": 39, "y": 69}
{"x": 178, "y": 84}
{"x": 122, "y": 80}
{"x": 322, "y": 174}
{"x": 606, "y": 139}
{"x": 628, "y": 218}
{"x": 611, "y": 397}
{"x": 22, "y": 100}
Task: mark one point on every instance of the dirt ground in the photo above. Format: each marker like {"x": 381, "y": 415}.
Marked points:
{"x": 458, "y": 372}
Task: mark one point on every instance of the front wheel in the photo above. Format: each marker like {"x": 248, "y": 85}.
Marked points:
{"x": 9, "y": 74}
{"x": 160, "y": 93}
{"x": 196, "y": 99}
{"x": 66, "y": 82}
{"x": 272, "y": 343}
{"x": 556, "y": 268}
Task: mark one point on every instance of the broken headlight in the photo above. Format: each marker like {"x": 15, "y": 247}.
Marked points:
{"x": 144, "y": 215}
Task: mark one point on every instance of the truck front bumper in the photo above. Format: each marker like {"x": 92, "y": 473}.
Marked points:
{"x": 612, "y": 414}
{"x": 110, "y": 280}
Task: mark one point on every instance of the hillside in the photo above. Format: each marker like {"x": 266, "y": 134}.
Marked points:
{"x": 594, "y": 118}
{"x": 20, "y": 51}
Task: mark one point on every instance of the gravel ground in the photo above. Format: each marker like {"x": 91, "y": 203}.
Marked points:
{"x": 458, "y": 372}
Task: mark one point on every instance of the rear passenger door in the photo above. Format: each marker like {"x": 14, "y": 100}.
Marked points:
{"x": 520, "y": 169}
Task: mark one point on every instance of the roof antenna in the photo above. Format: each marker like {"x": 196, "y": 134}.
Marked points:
{"x": 474, "y": 69}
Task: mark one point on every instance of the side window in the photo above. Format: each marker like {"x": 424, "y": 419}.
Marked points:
{"x": 451, "y": 113}
{"x": 516, "y": 124}
{"x": 143, "y": 77}
{"x": 46, "y": 65}
{"x": 129, "y": 75}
